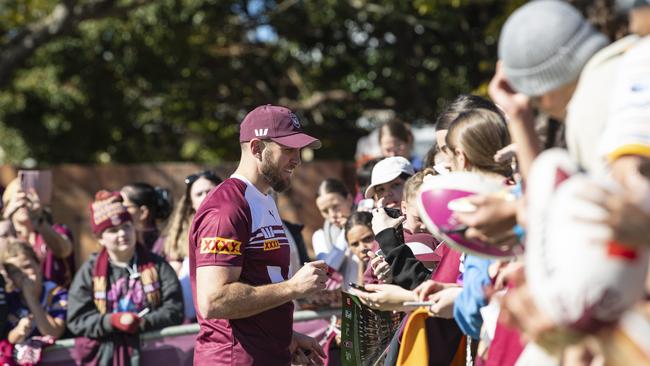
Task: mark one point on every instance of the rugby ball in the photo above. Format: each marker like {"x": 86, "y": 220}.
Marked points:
{"x": 440, "y": 196}
{"x": 577, "y": 275}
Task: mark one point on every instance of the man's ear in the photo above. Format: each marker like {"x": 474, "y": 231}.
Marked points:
{"x": 257, "y": 147}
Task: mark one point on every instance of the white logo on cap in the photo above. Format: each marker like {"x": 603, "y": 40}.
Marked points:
{"x": 261, "y": 132}
{"x": 294, "y": 120}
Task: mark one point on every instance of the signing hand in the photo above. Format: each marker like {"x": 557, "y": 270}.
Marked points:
{"x": 310, "y": 279}
{"x": 305, "y": 350}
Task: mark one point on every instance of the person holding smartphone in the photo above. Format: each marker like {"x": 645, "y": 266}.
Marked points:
{"x": 51, "y": 242}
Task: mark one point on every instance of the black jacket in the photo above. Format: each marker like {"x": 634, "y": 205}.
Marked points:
{"x": 408, "y": 272}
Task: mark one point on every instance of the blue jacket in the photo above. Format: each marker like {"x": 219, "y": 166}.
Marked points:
{"x": 472, "y": 297}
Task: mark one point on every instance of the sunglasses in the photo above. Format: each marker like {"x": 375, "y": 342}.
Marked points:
{"x": 190, "y": 179}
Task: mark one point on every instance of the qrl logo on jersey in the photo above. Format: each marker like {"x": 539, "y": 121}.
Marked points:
{"x": 271, "y": 245}
{"x": 220, "y": 246}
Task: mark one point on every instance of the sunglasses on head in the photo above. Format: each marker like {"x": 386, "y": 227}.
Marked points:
{"x": 190, "y": 179}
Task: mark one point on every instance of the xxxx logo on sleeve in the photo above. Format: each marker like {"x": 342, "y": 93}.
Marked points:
{"x": 272, "y": 244}
{"x": 218, "y": 245}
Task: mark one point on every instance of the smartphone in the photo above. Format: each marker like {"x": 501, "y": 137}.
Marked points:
{"x": 356, "y": 286}
{"x": 38, "y": 180}
{"x": 393, "y": 212}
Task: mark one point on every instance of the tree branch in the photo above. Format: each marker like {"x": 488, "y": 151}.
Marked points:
{"x": 64, "y": 17}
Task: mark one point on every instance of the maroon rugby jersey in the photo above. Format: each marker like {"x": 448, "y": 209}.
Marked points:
{"x": 237, "y": 225}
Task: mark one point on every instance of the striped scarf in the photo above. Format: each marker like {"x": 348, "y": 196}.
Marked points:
{"x": 148, "y": 277}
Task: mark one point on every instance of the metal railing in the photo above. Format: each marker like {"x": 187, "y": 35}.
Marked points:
{"x": 186, "y": 329}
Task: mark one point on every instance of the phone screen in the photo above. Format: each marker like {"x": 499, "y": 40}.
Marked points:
{"x": 38, "y": 180}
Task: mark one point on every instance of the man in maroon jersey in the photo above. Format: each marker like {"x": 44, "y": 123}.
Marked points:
{"x": 239, "y": 254}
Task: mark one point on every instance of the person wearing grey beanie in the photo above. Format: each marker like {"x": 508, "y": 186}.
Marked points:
{"x": 545, "y": 44}
{"x": 550, "y": 54}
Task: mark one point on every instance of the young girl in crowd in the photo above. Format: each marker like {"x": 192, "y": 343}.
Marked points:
{"x": 361, "y": 240}
{"x": 147, "y": 205}
{"x": 36, "y": 307}
{"x": 121, "y": 291}
{"x": 334, "y": 202}
{"x": 52, "y": 243}
{"x": 176, "y": 238}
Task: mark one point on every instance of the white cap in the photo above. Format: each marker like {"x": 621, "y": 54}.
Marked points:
{"x": 386, "y": 170}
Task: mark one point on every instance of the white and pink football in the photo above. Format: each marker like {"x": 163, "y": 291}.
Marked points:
{"x": 576, "y": 274}
{"x": 440, "y": 196}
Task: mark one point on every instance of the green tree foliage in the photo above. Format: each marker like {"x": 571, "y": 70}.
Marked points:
{"x": 169, "y": 80}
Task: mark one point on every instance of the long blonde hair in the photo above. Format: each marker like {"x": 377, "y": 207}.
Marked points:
{"x": 178, "y": 230}
{"x": 176, "y": 246}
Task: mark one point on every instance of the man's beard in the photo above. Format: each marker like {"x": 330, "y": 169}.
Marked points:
{"x": 273, "y": 175}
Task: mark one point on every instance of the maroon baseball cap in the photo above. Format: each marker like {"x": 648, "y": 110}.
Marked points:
{"x": 279, "y": 124}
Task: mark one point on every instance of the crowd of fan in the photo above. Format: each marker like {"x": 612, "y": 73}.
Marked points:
{"x": 551, "y": 61}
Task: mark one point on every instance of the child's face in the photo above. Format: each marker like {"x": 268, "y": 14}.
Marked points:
{"x": 119, "y": 240}
{"x": 413, "y": 223}
{"x": 389, "y": 194}
{"x": 360, "y": 239}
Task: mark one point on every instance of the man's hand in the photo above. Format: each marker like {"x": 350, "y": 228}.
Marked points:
{"x": 305, "y": 350}
{"x": 381, "y": 221}
{"x": 430, "y": 287}
{"x": 443, "y": 300}
{"x": 514, "y": 104}
{"x": 384, "y": 296}
{"x": 310, "y": 279}
{"x": 492, "y": 221}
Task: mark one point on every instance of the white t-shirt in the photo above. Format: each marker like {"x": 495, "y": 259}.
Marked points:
{"x": 587, "y": 112}
{"x": 628, "y": 127}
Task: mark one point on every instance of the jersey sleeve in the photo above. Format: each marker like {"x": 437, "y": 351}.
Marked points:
{"x": 221, "y": 235}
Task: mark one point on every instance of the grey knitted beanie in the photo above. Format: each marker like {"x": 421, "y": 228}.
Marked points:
{"x": 545, "y": 44}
